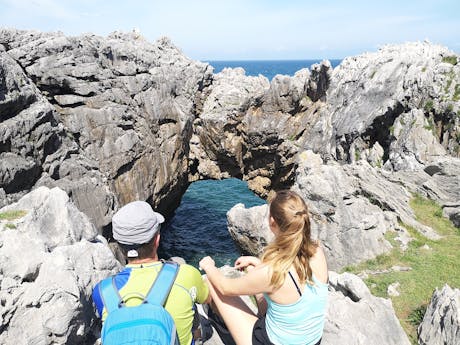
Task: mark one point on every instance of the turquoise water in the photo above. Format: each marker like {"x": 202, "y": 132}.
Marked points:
{"x": 269, "y": 68}
{"x": 199, "y": 225}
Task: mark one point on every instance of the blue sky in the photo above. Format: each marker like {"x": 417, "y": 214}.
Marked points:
{"x": 250, "y": 29}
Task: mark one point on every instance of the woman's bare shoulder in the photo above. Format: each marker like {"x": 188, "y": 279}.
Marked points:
{"x": 318, "y": 265}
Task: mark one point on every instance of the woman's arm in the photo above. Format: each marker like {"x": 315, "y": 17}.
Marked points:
{"x": 255, "y": 281}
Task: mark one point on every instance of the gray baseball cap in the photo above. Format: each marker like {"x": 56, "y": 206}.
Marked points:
{"x": 136, "y": 223}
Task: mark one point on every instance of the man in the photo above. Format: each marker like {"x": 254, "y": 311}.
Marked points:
{"x": 136, "y": 227}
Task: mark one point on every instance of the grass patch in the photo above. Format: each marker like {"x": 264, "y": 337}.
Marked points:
{"x": 10, "y": 226}
{"x": 428, "y": 106}
{"x": 431, "y": 268}
{"x": 12, "y": 215}
{"x": 450, "y": 76}
{"x": 450, "y": 59}
{"x": 456, "y": 96}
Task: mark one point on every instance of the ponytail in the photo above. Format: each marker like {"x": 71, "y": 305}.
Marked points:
{"x": 293, "y": 245}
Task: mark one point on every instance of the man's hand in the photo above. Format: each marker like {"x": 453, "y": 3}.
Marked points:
{"x": 206, "y": 263}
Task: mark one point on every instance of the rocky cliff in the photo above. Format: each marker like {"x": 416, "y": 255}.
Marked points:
{"x": 113, "y": 119}
{"x": 108, "y": 120}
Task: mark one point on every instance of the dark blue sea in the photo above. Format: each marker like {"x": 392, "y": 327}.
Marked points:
{"x": 269, "y": 68}
{"x": 199, "y": 225}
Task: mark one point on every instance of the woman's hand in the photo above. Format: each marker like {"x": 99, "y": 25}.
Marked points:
{"x": 246, "y": 262}
{"x": 206, "y": 263}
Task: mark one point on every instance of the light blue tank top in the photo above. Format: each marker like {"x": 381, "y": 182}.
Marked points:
{"x": 299, "y": 323}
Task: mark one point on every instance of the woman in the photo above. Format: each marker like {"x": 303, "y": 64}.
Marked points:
{"x": 292, "y": 276}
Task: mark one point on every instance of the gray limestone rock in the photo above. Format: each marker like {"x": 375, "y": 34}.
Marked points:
{"x": 249, "y": 228}
{"x": 113, "y": 119}
{"x": 441, "y": 323}
{"x": 50, "y": 260}
{"x": 356, "y": 317}
{"x": 352, "y": 207}
{"x": 122, "y": 109}
{"x": 368, "y": 93}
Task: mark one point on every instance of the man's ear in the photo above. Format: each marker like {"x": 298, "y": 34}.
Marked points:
{"x": 157, "y": 240}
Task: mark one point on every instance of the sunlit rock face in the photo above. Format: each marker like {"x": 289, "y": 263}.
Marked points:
{"x": 114, "y": 119}
{"x": 107, "y": 119}
{"x": 441, "y": 323}
{"x": 51, "y": 258}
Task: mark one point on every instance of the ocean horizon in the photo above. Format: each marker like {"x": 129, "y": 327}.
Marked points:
{"x": 268, "y": 68}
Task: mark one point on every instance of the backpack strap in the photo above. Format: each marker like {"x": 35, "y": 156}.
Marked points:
{"x": 110, "y": 295}
{"x": 161, "y": 287}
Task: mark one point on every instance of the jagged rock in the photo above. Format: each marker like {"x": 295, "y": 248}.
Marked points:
{"x": 318, "y": 84}
{"x": 393, "y": 289}
{"x": 249, "y": 228}
{"x": 441, "y": 323}
{"x": 122, "y": 107}
{"x": 352, "y": 206}
{"x": 49, "y": 263}
{"x": 415, "y": 144}
{"x": 351, "y": 306}
{"x": 248, "y": 128}
{"x": 369, "y": 92}
{"x": 114, "y": 119}
{"x": 218, "y": 142}
{"x": 439, "y": 180}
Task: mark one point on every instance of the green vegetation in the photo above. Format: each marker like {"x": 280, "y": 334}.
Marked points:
{"x": 450, "y": 59}
{"x": 424, "y": 69}
{"x": 292, "y": 137}
{"x": 432, "y": 266}
{"x": 357, "y": 155}
{"x": 392, "y": 129}
{"x": 430, "y": 126}
{"x": 428, "y": 106}
{"x": 372, "y": 74}
{"x": 416, "y": 316}
{"x": 10, "y": 226}
{"x": 12, "y": 215}
{"x": 456, "y": 96}
{"x": 451, "y": 76}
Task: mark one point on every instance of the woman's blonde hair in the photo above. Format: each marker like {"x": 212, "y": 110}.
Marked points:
{"x": 293, "y": 245}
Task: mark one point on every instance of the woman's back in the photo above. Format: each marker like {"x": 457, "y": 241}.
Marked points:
{"x": 295, "y": 313}
{"x": 287, "y": 293}
{"x": 301, "y": 322}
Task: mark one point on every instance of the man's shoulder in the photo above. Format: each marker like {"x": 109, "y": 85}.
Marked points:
{"x": 187, "y": 269}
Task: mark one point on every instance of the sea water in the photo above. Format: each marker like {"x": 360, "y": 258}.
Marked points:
{"x": 199, "y": 225}
{"x": 269, "y": 68}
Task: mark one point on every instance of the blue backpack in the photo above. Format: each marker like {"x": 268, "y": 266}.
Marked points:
{"x": 146, "y": 324}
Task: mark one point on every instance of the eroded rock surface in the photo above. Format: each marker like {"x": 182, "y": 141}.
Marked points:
{"x": 441, "y": 323}
{"x": 113, "y": 119}
{"x": 355, "y": 316}
{"x": 51, "y": 257}
{"x": 110, "y": 118}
